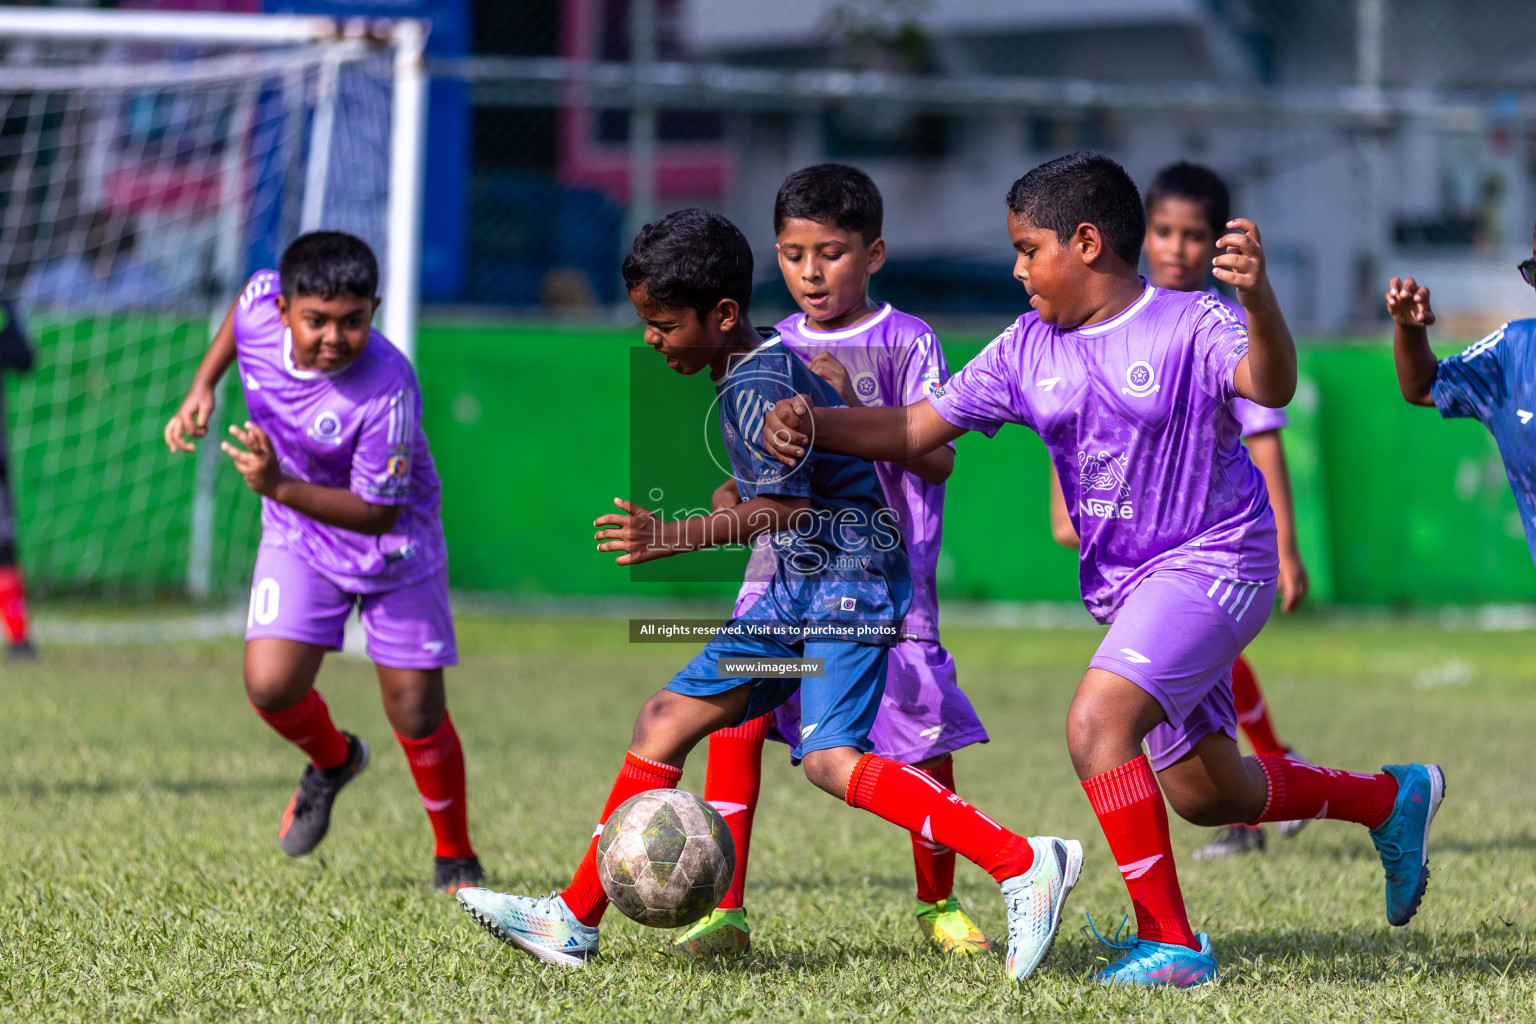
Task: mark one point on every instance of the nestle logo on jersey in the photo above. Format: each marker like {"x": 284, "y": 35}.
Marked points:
{"x": 1104, "y": 472}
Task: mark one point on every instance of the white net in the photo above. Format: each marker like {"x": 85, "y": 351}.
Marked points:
{"x": 140, "y": 183}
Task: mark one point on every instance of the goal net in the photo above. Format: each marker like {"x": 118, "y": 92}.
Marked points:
{"x": 148, "y": 164}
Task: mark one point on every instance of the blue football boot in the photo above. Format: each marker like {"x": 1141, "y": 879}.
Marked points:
{"x": 1403, "y": 839}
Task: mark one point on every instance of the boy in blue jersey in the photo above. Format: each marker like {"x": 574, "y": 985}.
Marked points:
{"x": 839, "y": 587}
{"x": 1492, "y": 381}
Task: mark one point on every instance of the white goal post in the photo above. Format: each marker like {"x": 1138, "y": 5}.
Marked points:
{"x": 147, "y": 160}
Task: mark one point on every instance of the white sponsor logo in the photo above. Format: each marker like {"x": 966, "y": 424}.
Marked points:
{"x": 327, "y": 428}
{"x": 1525, "y": 417}
{"x": 433, "y": 646}
{"x": 1142, "y": 380}
{"x": 436, "y": 805}
{"x": 927, "y": 830}
{"x": 931, "y": 734}
{"x": 1048, "y": 383}
{"x": 806, "y": 730}
{"x": 251, "y": 383}
{"x": 1135, "y": 657}
{"x": 867, "y": 388}
{"x": 1104, "y": 472}
{"x": 1136, "y": 869}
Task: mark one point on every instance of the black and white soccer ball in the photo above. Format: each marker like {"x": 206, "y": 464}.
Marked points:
{"x": 665, "y": 858}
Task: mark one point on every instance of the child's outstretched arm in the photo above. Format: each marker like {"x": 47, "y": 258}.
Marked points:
{"x": 642, "y": 536}
{"x": 1408, "y": 302}
{"x": 1267, "y": 374}
{"x": 1269, "y": 455}
{"x": 333, "y": 506}
{"x": 878, "y": 433}
{"x": 191, "y": 420}
{"x": 1062, "y": 529}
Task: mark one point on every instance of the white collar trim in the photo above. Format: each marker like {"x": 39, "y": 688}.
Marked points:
{"x": 846, "y": 332}
{"x": 294, "y": 371}
{"x": 1123, "y": 317}
{"x": 744, "y": 360}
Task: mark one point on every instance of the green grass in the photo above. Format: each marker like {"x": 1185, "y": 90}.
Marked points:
{"x": 143, "y": 881}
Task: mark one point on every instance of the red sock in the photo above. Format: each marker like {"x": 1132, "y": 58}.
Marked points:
{"x": 1252, "y": 711}
{"x": 1298, "y": 791}
{"x": 934, "y": 862}
{"x": 307, "y": 725}
{"x": 1130, "y": 810}
{"x": 585, "y": 894}
{"x": 905, "y": 796}
{"x": 437, "y": 765}
{"x": 13, "y": 604}
{"x": 731, "y": 785}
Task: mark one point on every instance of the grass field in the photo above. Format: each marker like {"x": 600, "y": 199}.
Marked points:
{"x": 143, "y": 880}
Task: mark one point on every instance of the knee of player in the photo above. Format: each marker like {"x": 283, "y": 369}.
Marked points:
{"x": 1200, "y": 806}
{"x": 1091, "y": 724}
{"x": 267, "y": 690}
{"x": 655, "y": 718}
{"x": 830, "y": 769}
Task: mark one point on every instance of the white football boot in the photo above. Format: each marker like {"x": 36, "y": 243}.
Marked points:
{"x": 1035, "y": 900}
{"x": 543, "y": 926}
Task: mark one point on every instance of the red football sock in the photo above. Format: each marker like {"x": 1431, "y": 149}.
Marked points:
{"x": 905, "y": 796}
{"x": 731, "y": 785}
{"x": 1130, "y": 810}
{"x": 437, "y": 765}
{"x": 585, "y": 894}
{"x": 1298, "y": 791}
{"x": 934, "y": 862}
{"x": 307, "y": 725}
{"x": 13, "y": 604}
{"x": 1252, "y": 711}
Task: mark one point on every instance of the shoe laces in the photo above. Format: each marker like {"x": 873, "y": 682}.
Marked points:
{"x": 1114, "y": 941}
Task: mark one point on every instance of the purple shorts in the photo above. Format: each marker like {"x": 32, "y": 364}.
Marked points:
{"x": 1176, "y": 637}
{"x": 923, "y": 714}
{"x": 407, "y": 627}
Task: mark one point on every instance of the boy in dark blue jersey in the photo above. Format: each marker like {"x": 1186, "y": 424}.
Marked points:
{"x": 1492, "y": 381}
{"x": 839, "y": 587}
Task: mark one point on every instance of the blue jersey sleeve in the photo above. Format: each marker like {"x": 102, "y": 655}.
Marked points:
{"x": 748, "y": 390}
{"x": 1471, "y": 384}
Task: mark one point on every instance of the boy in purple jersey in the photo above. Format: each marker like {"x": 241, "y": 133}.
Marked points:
{"x": 828, "y": 221}
{"x": 1187, "y": 209}
{"x": 1129, "y": 387}
{"x": 349, "y": 517}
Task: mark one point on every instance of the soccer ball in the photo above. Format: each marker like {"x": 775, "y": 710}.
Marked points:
{"x": 665, "y": 858}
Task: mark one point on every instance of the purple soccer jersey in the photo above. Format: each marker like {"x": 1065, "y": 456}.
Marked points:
{"x": 894, "y": 359}
{"x": 357, "y": 428}
{"x": 1136, "y": 415}
{"x": 1253, "y": 417}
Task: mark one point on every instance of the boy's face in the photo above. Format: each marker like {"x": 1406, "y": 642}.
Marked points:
{"x": 1053, "y": 273}
{"x": 690, "y": 342}
{"x": 1179, "y": 245}
{"x": 328, "y": 334}
{"x": 827, "y": 270}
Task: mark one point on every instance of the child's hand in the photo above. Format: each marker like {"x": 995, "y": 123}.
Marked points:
{"x": 826, "y": 366}
{"x": 638, "y": 534}
{"x": 259, "y": 463}
{"x": 1241, "y": 264}
{"x": 191, "y": 420}
{"x": 727, "y": 495}
{"x": 1408, "y": 302}
{"x": 787, "y": 427}
{"x": 1294, "y": 582}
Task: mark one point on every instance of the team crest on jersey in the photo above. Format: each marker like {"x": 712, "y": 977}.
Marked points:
{"x": 1104, "y": 472}
{"x": 326, "y": 428}
{"x": 930, "y": 381}
{"x": 399, "y": 466}
{"x": 866, "y": 387}
{"x": 1141, "y": 380}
